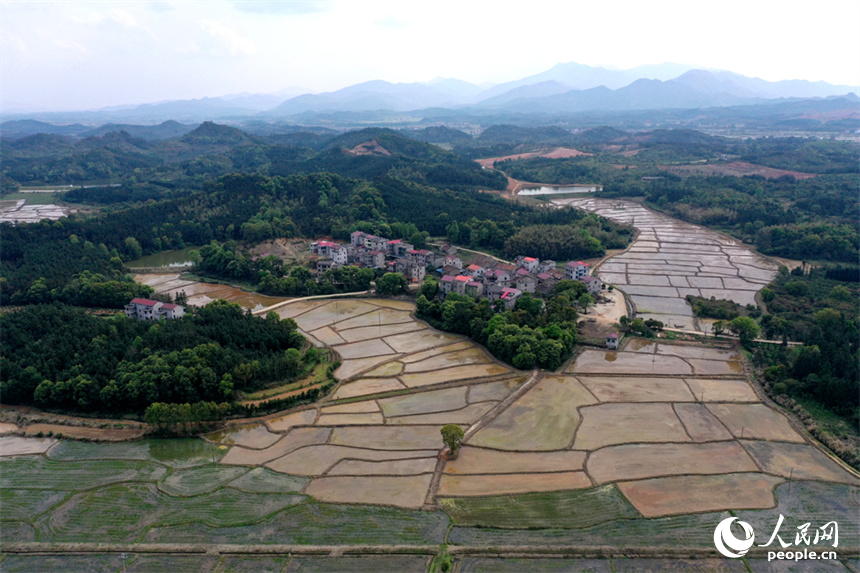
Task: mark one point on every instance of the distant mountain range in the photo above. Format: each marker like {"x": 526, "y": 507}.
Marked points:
{"x": 568, "y": 88}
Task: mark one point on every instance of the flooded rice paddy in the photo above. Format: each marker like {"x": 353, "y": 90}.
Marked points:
{"x": 661, "y": 443}
{"x": 671, "y": 259}
{"x": 201, "y": 294}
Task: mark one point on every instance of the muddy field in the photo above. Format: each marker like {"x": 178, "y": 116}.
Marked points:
{"x": 671, "y": 259}
{"x": 640, "y": 438}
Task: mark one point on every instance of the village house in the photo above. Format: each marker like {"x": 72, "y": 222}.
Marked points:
{"x": 474, "y": 289}
{"x": 593, "y": 284}
{"x": 460, "y": 282}
{"x": 448, "y": 260}
{"x": 576, "y": 270}
{"x": 529, "y": 263}
{"x": 145, "y": 309}
{"x": 475, "y": 270}
{"x": 373, "y": 259}
{"x": 546, "y": 266}
{"x": 446, "y": 284}
{"x": 612, "y": 341}
{"x": 526, "y": 283}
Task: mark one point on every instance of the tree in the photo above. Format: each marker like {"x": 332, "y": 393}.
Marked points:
{"x": 718, "y": 327}
{"x": 452, "y": 435}
{"x": 430, "y": 288}
{"x": 391, "y": 284}
{"x": 745, "y": 328}
{"x": 585, "y": 301}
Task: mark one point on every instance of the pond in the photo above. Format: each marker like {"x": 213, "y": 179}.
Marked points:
{"x": 558, "y": 189}
{"x": 165, "y": 259}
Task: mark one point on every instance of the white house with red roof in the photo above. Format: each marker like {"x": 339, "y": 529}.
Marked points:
{"x": 612, "y": 341}
{"x": 146, "y": 309}
{"x": 529, "y": 263}
{"x": 575, "y": 270}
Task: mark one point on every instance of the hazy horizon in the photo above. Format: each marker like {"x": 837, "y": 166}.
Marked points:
{"x": 63, "y": 56}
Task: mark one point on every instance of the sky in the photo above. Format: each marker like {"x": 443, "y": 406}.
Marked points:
{"x": 57, "y": 56}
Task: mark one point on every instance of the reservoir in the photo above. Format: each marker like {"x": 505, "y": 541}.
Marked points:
{"x": 559, "y": 189}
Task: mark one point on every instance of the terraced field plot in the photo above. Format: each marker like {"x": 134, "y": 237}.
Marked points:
{"x": 607, "y": 452}
{"x": 671, "y": 259}
{"x": 403, "y": 380}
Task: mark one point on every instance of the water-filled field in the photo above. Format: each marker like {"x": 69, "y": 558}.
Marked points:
{"x": 611, "y": 451}
{"x": 671, "y": 259}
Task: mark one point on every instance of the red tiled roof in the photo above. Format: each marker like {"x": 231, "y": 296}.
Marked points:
{"x": 529, "y": 259}
{"x": 544, "y": 276}
{"x": 168, "y": 306}
{"x": 522, "y": 271}
{"x": 461, "y": 278}
{"x": 394, "y": 242}
{"x": 447, "y": 278}
{"x": 612, "y": 335}
{"x": 145, "y": 301}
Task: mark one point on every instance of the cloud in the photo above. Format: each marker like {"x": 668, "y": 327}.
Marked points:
{"x": 235, "y": 44}
{"x": 287, "y": 8}
{"x": 391, "y": 22}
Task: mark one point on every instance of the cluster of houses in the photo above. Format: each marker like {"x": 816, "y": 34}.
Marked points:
{"x": 486, "y": 276}
{"x": 366, "y": 250}
{"x": 145, "y": 309}
{"x": 507, "y": 282}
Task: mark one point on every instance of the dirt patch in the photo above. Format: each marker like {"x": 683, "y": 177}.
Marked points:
{"x": 609, "y": 424}
{"x": 284, "y": 423}
{"x": 254, "y": 436}
{"x": 721, "y": 390}
{"x": 472, "y": 355}
{"x": 405, "y": 491}
{"x": 350, "y": 419}
{"x": 694, "y": 494}
{"x": 735, "y": 169}
{"x": 798, "y": 461}
{"x": 371, "y": 147}
{"x": 383, "y": 437}
{"x": 425, "y": 402}
{"x": 544, "y": 418}
{"x": 284, "y": 249}
{"x": 637, "y": 389}
{"x": 701, "y": 425}
{"x": 480, "y": 461}
{"x": 456, "y": 373}
{"x": 316, "y": 460}
{"x": 387, "y": 468}
{"x": 296, "y": 439}
{"x": 630, "y": 462}
{"x": 468, "y": 485}
{"x": 86, "y": 433}
{"x": 555, "y": 153}
{"x": 610, "y": 362}
{"x": 464, "y": 416}
{"x": 367, "y": 386}
{"x": 755, "y": 421}
{"x": 18, "y": 446}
